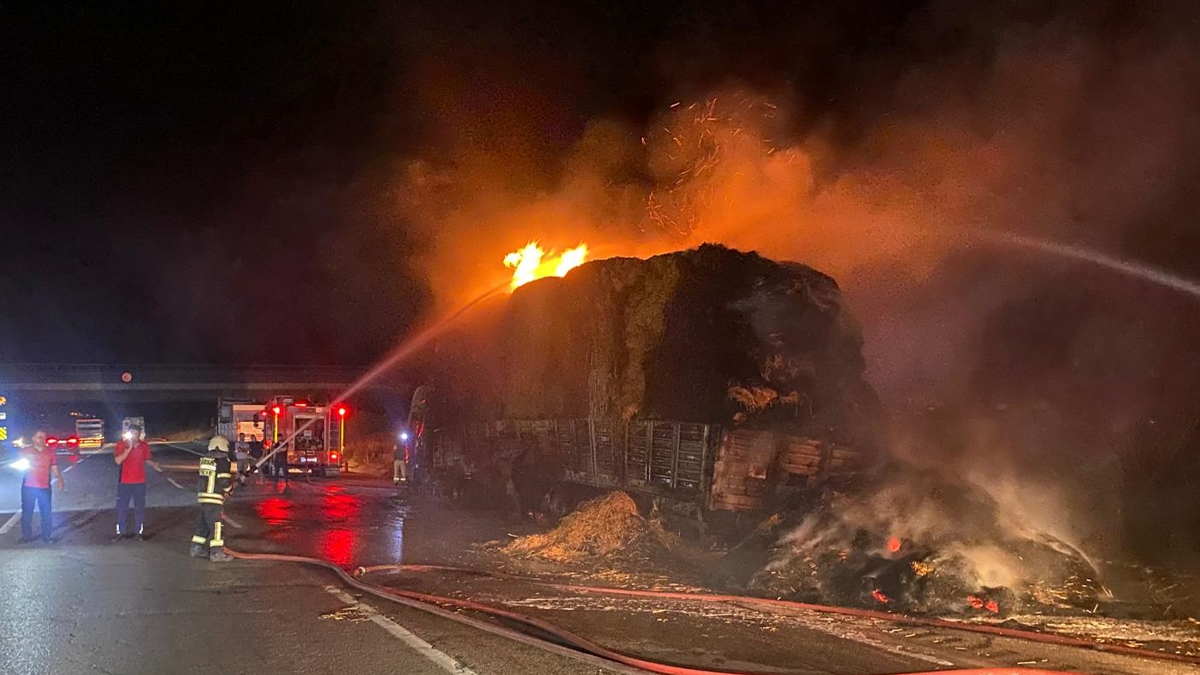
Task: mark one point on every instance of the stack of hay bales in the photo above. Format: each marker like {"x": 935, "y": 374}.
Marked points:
{"x": 709, "y": 334}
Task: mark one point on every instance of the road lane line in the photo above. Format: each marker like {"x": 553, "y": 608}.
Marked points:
{"x": 180, "y": 447}
{"x": 442, "y": 659}
{"x": 11, "y": 521}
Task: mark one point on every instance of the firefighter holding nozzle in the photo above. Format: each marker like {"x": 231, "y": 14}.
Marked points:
{"x": 216, "y": 482}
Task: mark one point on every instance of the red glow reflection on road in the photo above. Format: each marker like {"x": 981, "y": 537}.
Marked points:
{"x": 337, "y": 546}
{"x": 338, "y": 507}
{"x": 274, "y": 510}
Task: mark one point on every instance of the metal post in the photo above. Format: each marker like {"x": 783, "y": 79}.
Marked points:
{"x": 573, "y": 451}
{"x": 675, "y": 457}
{"x": 592, "y": 442}
{"x": 649, "y": 452}
{"x": 625, "y": 454}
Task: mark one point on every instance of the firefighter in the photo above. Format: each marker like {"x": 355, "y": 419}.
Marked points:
{"x": 216, "y": 480}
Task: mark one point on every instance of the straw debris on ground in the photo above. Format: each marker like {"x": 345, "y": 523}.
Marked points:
{"x": 606, "y": 527}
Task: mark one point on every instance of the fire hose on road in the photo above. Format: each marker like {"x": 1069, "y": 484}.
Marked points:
{"x": 999, "y": 631}
{"x": 562, "y": 641}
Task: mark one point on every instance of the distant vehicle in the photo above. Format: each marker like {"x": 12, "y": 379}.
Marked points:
{"x": 63, "y": 444}
{"x": 130, "y": 423}
{"x": 241, "y": 417}
{"x": 89, "y": 433}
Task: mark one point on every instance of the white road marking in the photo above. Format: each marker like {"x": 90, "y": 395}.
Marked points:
{"x": 180, "y": 447}
{"x": 442, "y": 659}
{"x": 81, "y": 460}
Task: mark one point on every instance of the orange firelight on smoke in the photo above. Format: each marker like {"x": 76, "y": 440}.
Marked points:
{"x": 532, "y": 262}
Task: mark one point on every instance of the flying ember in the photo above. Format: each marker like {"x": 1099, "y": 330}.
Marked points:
{"x": 531, "y": 262}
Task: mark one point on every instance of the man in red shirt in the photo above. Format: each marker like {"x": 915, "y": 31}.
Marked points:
{"x": 132, "y": 455}
{"x": 35, "y": 486}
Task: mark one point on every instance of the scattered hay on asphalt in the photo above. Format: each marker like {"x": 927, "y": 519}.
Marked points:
{"x": 606, "y": 527}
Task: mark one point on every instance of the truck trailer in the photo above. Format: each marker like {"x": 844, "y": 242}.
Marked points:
{"x": 696, "y": 470}
{"x": 90, "y": 432}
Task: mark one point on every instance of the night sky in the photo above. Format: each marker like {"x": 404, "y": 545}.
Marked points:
{"x": 212, "y": 182}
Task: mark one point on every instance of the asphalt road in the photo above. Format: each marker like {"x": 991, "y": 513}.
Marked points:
{"x": 86, "y": 604}
{"x": 91, "y": 484}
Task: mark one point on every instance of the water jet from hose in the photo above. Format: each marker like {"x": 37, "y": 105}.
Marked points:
{"x": 1128, "y": 268}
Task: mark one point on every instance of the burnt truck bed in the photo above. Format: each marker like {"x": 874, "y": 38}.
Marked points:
{"x": 690, "y": 467}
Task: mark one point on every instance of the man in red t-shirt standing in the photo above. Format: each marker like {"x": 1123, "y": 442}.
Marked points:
{"x": 35, "y": 486}
{"x": 132, "y": 455}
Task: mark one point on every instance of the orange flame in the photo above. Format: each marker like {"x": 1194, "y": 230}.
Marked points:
{"x": 531, "y": 262}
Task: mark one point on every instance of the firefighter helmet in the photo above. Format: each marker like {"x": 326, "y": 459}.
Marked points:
{"x": 219, "y": 443}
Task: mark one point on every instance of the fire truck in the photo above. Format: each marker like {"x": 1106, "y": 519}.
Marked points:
{"x": 313, "y": 433}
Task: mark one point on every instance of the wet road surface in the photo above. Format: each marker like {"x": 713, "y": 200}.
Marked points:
{"x": 87, "y": 605}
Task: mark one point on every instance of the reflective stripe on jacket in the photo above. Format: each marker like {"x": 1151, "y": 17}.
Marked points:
{"x": 215, "y": 478}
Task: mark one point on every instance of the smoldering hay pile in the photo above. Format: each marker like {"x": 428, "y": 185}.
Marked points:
{"x": 916, "y": 541}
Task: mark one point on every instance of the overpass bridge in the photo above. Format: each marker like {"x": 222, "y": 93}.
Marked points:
{"x": 38, "y": 383}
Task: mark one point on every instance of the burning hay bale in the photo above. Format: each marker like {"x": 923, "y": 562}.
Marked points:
{"x": 707, "y": 334}
{"x": 608, "y": 526}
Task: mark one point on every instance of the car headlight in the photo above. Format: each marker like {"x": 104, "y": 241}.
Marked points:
{"x": 20, "y": 464}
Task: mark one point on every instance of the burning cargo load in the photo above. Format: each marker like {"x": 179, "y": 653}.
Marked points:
{"x": 709, "y": 334}
{"x": 916, "y": 541}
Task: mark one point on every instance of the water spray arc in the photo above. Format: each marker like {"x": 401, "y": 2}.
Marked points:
{"x": 402, "y": 351}
{"x": 1128, "y": 268}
